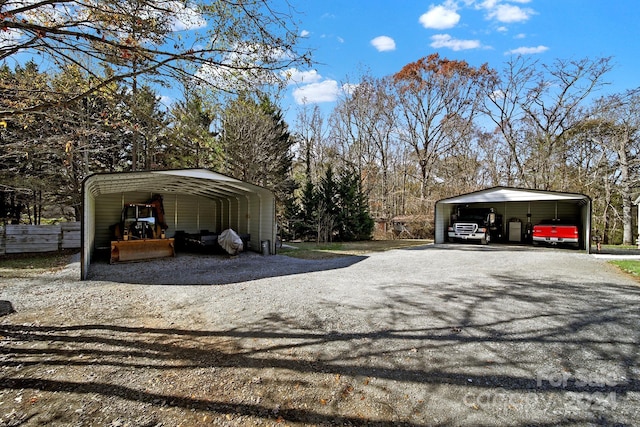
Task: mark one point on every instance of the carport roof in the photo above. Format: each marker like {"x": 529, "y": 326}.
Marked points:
{"x": 200, "y": 182}
{"x": 510, "y": 194}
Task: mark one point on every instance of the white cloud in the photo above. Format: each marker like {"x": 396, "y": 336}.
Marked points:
{"x": 295, "y": 76}
{"x": 503, "y": 11}
{"x": 527, "y": 50}
{"x": 166, "y": 101}
{"x": 45, "y": 14}
{"x": 521, "y": 36}
{"x": 445, "y": 40}
{"x": 441, "y": 17}
{"x": 304, "y": 33}
{"x": 491, "y": 4}
{"x": 243, "y": 67}
{"x": 185, "y": 18}
{"x": 497, "y": 95}
{"x": 486, "y": 4}
{"x": 247, "y": 55}
{"x": 509, "y": 13}
{"x": 326, "y": 91}
{"x": 10, "y": 38}
{"x": 177, "y": 14}
{"x": 349, "y": 88}
{"x": 383, "y": 43}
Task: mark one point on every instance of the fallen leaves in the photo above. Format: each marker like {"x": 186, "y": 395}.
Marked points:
{"x": 346, "y": 391}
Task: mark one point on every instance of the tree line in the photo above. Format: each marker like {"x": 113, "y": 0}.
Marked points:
{"x": 46, "y": 156}
{"x": 439, "y": 128}
{"x": 390, "y": 148}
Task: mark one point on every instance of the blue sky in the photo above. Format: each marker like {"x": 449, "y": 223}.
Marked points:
{"x": 381, "y": 36}
{"x": 349, "y": 37}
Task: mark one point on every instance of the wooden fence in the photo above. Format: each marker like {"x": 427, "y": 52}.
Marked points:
{"x": 17, "y": 239}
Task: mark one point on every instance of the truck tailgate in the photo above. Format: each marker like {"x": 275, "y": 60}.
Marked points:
{"x": 556, "y": 233}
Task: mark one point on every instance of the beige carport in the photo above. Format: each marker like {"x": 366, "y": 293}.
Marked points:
{"x": 519, "y": 204}
{"x": 194, "y": 200}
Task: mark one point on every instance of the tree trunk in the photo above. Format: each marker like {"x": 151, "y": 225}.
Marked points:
{"x": 625, "y": 188}
{"x": 605, "y": 211}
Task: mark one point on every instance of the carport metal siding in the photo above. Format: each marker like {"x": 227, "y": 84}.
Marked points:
{"x": 186, "y": 214}
{"x": 194, "y": 200}
{"x": 540, "y": 210}
{"x": 206, "y": 214}
{"x": 243, "y": 215}
{"x": 259, "y": 210}
{"x": 514, "y": 203}
{"x": 108, "y": 211}
{"x": 183, "y": 212}
{"x": 234, "y": 221}
{"x": 88, "y": 231}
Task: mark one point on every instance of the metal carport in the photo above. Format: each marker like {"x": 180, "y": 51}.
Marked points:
{"x": 519, "y": 204}
{"x": 194, "y": 200}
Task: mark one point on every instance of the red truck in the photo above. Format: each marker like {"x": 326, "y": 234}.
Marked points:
{"x": 555, "y": 231}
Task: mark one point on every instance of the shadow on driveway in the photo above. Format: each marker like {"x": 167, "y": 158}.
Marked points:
{"x": 193, "y": 269}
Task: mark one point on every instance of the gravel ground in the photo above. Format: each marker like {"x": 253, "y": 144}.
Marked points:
{"x": 433, "y": 336}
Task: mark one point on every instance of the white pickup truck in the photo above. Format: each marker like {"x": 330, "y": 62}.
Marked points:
{"x": 481, "y": 225}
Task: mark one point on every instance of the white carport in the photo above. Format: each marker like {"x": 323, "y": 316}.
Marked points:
{"x": 519, "y": 205}
{"x": 194, "y": 200}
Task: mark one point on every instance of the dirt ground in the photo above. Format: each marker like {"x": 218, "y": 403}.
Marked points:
{"x": 456, "y": 335}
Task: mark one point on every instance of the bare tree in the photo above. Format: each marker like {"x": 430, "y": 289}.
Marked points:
{"x": 229, "y": 44}
{"x": 312, "y": 135}
{"x": 257, "y": 144}
{"x": 439, "y": 100}
{"x": 614, "y": 127}
{"x": 534, "y": 108}
{"x": 364, "y": 125}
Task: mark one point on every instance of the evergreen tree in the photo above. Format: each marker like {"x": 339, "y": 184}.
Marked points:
{"x": 146, "y": 129}
{"x": 191, "y": 142}
{"x": 308, "y": 213}
{"x": 257, "y": 144}
{"x": 29, "y": 148}
{"x": 334, "y": 207}
{"x": 354, "y": 221}
{"x": 328, "y": 207}
{"x": 280, "y": 155}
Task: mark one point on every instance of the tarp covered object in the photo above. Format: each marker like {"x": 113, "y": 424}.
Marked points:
{"x": 230, "y": 242}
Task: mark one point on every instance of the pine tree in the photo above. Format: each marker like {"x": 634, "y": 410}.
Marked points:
{"x": 308, "y": 214}
{"x": 279, "y": 159}
{"x": 328, "y": 207}
{"x": 192, "y": 144}
{"x": 354, "y": 221}
{"x": 257, "y": 144}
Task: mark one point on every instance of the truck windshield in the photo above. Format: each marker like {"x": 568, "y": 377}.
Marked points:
{"x": 471, "y": 218}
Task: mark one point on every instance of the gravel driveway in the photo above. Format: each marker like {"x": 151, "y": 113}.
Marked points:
{"x": 436, "y": 335}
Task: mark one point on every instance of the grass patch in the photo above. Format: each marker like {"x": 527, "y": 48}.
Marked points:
{"x": 312, "y": 250}
{"x": 630, "y": 266}
{"x": 27, "y": 265}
